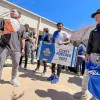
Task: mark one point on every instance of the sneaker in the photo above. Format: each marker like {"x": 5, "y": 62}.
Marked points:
{"x": 36, "y": 70}
{"x": 55, "y": 80}
{"x": 14, "y": 82}
{"x": 43, "y": 74}
{"x": 25, "y": 68}
{"x": 80, "y": 96}
{"x": 84, "y": 97}
{"x": 51, "y": 78}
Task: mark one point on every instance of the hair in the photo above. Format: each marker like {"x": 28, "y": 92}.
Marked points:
{"x": 17, "y": 11}
{"x": 60, "y": 23}
{"x": 26, "y": 25}
{"x": 46, "y": 30}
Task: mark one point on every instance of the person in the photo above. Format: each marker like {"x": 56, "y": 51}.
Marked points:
{"x": 45, "y": 38}
{"x": 93, "y": 54}
{"x": 27, "y": 46}
{"x": 61, "y": 38}
{"x": 10, "y": 45}
{"x": 33, "y": 48}
{"x": 80, "y": 58}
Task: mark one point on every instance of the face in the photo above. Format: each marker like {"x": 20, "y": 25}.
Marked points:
{"x": 44, "y": 31}
{"x": 59, "y": 27}
{"x": 97, "y": 18}
{"x": 26, "y": 27}
{"x": 14, "y": 14}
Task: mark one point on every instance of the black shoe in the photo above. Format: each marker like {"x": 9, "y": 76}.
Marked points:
{"x": 36, "y": 70}
{"x": 25, "y": 68}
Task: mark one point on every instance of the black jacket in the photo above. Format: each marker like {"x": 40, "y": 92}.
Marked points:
{"x": 94, "y": 41}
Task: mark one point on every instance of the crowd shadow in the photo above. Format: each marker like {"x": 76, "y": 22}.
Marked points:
{"x": 54, "y": 94}
{"x": 75, "y": 80}
{"x": 67, "y": 72}
{"x": 33, "y": 75}
{"x": 7, "y": 65}
{"x": 4, "y": 82}
{"x": 14, "y": 96}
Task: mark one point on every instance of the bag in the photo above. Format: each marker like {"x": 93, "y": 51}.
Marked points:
{"x": 94, "y": 79}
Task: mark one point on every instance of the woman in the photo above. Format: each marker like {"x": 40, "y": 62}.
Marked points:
{"x": 80, "y": 58}
{"x": 45, "y": 38}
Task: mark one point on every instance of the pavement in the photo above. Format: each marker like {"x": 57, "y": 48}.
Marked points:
{"x": 33, "y": 86}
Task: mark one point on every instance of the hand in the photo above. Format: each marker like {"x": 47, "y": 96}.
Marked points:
{"x": 22, "y": 52}
{"x": 60, "y": 43}
{"x": 27, "y": 36}
{"x": 6, "y": 31}
{"x": 1, "y": 33}
{"x": 87, "y": 58}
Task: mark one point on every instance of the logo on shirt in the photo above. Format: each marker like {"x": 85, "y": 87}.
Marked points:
{"x": 94, "y": 72}
{"x": 46, "y": 52}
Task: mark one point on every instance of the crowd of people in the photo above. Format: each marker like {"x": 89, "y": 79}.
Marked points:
{"x": 24, "y": 41}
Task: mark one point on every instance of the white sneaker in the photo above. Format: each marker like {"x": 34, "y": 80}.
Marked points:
{"x": 84, "y": 97}
{"x": 15, "y": 82}
{"x": 43, "y": 74}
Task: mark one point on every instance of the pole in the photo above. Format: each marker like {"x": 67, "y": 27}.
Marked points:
{"x": 38, "y": 27}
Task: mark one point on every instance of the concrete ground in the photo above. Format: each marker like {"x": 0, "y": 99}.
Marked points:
{"x": 35, "y": 87}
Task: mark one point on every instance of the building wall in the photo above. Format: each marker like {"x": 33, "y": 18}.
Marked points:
{"x": 35, "y": 21}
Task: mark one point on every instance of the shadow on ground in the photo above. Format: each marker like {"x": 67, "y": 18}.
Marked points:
{"x": 75, "y": 80}
{"x": 14, "y": 96}
{"x": 4, "y": 82}
{"x": 32, "y": 75}
{"x": 7, "y": 65}
{"x": 54, "y": 95}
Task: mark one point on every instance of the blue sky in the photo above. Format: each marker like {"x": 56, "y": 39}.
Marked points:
{"x": 75, "y": 14}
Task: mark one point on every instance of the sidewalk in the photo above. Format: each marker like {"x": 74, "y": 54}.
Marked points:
{"x": 35, "y": 87}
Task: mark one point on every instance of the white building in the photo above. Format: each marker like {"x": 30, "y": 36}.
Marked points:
{"x": 36, "y": 22}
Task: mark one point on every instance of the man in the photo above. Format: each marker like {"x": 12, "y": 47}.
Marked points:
{"x": 45, "y": 38}
{"x": 61, "y": 38}
{"x": 10, "y": 45}
{"x": 93, "y": 53}
{"x": 27, "y": 46}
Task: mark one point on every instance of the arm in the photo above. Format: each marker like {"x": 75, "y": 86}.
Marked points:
{"x": 90, "y": 41}
{"x": 22, "y": 46}
{"x": 1, "y": 33}
{"x": 23, "y": 37}
{"x": 67, "y": 41}
{"x": 2, "y": 27}
{"x": 31, "y": 37}
{"x": 48, "y": 38}
{"x": 89, "y": 47}
{"x": 67, "y": 38}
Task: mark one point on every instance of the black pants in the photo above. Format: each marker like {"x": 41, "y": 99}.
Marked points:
{"x": 27, "y": 46}
{"x": 44, "y": 64}
{"x": 59, "y": 67}
{"x": 83, "y": 67}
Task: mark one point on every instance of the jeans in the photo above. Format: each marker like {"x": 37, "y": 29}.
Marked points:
{"x": 79, "y": 64}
